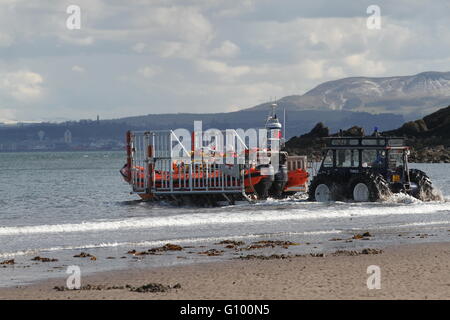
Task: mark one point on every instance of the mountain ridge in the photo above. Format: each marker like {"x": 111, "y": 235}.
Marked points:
{"x": 414, "y": 95}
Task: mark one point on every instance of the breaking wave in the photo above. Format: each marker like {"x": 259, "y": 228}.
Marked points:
{"x": 270, "y": 213}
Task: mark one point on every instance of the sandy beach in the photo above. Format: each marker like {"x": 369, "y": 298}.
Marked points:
{"x": 419, "y": 271}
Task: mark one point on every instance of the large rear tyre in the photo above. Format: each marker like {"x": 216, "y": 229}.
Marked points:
{"x": 368, "y": 187}
{"x": 323, "y": 189}
{"x": 423, "y": 188}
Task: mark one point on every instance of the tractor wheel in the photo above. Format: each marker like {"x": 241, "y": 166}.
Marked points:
{"x": 424, "y": 190}
{"x": 323, "y": 189}
{"x": 368, "y": 187}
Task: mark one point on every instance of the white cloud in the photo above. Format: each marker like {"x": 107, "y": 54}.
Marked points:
{"x": 148, "y": 72}
{"x": 7, "y": 115}
{"x": 175, "y": 31}
{"x": 22, "y": 85}
{"x": 226, "y": 50}
{"x": 222, "y": 69}
{"x": 360, "y": 64}
{"x": 235, "y": 8}
{"x": 78, "y": 69}
{"x": 335, "y": 72}
{"x": 5, "y": 40}
{"x": 139, "y": 47}
{"x": 78, "y": 41}
{"x": 312, "y": 69}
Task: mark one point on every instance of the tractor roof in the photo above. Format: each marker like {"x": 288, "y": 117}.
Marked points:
{"x": 364, "y": 142}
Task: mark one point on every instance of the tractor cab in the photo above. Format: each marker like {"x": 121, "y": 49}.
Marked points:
{"x": 366, "y": 169}
{"x": 383, "y": 155}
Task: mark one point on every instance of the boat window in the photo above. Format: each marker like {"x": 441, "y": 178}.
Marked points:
{"x": 328, "y": 160}
{"x": 347, "y": 158}
{"x": 373, "y": 158}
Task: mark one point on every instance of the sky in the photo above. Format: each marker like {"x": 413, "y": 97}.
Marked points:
{"x": 139, "y": 57}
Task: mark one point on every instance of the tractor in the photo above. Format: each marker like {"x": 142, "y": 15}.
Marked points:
{"x": 367, "y": 169}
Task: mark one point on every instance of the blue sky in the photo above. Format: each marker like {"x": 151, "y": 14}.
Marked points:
{"x": 138, "y": 57}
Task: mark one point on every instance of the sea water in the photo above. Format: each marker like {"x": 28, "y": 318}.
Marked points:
{"x": 59, "y": 204}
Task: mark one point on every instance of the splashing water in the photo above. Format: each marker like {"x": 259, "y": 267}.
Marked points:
{"x": 401, "y": 198}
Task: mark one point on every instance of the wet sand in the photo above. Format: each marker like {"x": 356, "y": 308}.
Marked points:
{"x": 419, "y": 271}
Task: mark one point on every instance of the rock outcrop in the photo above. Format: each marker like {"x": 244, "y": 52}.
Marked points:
{"x": 429, "y": 138}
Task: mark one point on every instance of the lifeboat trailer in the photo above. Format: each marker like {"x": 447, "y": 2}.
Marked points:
{"x": 155, "y": 174}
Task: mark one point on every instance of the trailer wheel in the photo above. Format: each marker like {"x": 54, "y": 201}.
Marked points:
{"x": 424, "y": 188}
{"x": 262, "y": 188}
{"x": 368, "y": 187}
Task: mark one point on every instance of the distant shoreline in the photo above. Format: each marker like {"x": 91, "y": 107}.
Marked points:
{"x": 124, "y": 151}
{"x": 55, "y": 151}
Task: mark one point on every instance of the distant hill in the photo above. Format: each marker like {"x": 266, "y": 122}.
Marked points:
{"x": 297, "y": 122}
{"x": 435, "y": 125}
{"x": 413, "y": 96}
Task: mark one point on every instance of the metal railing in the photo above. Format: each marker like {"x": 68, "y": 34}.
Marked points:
{"x": 139, "y": 161}
{"x": 155, "y": 169}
